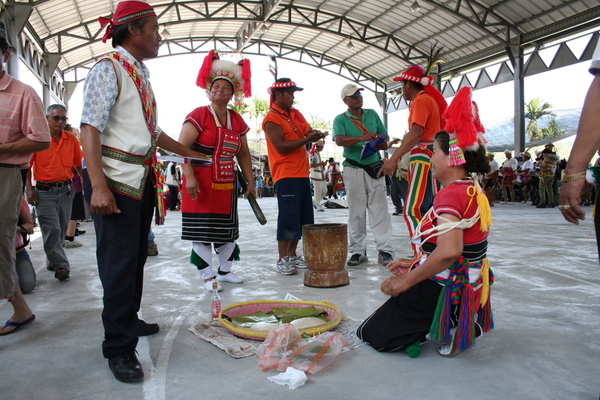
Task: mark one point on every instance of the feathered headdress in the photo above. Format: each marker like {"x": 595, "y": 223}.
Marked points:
{"x": 463, "y": 125}
{"x": 416, "y": 73}
{"x": 239, "y": 75}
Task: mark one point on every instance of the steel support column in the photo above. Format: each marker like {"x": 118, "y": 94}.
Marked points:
{"x": 515, "y": 54}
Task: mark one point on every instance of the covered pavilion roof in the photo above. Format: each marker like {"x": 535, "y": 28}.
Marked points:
{"x": 366, "y": 41}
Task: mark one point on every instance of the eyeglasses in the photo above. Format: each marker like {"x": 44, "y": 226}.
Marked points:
{"x": 59, "y": 118}
{"x": 354, "y": 96}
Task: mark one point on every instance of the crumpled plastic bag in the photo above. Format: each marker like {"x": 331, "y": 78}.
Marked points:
{"x": 284, "y": 348}
{"x": 280, "y": 340}
{"x": 291, "y": 377}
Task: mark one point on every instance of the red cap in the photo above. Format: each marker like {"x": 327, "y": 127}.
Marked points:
{"x": 415, "y": 74}
{"x": 126, "y": 11}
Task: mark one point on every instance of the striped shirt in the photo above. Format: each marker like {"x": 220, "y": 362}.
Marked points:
{"x": 21, "y": 116}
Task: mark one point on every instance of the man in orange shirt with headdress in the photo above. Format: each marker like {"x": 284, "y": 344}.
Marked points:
{"x": 427, "y": 105}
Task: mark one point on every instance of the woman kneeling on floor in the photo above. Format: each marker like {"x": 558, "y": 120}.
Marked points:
{"x": 443, "y": 294}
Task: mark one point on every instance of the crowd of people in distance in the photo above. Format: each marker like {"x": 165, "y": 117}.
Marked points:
{"x": 530, "y": 181}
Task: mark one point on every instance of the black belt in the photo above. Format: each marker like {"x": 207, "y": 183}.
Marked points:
{"x": 9, "y": 166}
{"x": 45, "y": 185}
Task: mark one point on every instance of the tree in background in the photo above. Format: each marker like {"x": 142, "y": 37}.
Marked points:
{"x": 257, "y": 109}
{"x": 535, "y": 110}
{"x": 240, "y": 109}
{"x": 320, "y": 124}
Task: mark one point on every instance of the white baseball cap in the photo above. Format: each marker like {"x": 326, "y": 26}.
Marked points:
{"x": 349, "y": 90}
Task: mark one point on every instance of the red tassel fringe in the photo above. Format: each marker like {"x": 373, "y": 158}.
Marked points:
{"x": 204, "y": 73}
{"x": 246, "y": 76}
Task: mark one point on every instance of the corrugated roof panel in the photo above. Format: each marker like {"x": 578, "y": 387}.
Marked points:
{"x": 339, "y": 7}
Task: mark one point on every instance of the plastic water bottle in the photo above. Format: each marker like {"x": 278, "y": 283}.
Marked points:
{"x": 216, "y": 301}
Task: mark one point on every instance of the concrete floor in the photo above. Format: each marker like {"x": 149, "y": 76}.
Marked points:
{"x": 545, "y": 346}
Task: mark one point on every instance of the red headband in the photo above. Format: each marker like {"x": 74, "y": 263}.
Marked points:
{"x": 283, "y": 85}
{"x": 126, "y": 11}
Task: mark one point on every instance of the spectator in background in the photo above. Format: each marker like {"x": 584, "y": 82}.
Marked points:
{"x": 173, "y": 181}
{"x": 332, "y": 175}
{"x": 258, "y": 184}
{"x": 53, "y": 193}
{"x": 317, "y": 175}
{"x": 509, "y": 174}
{"x": 399, "y": 185}
{"x": 490, "y": 180}
{"x": 546, "y": 174}
{"x": 77, "y": 213}
{"x": 267, "y": 185}
{"x": 524, "y": 170}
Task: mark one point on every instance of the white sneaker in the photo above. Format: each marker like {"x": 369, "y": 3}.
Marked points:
{"x": 286, "y": 267}
{"x": 229, "y": 277}
{"x": 298, "y": 262}
{"x": 72, "y": 244}
{"x": 208, "y": 285}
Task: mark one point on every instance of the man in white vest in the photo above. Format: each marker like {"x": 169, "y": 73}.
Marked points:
{"x": 119, "y": 136}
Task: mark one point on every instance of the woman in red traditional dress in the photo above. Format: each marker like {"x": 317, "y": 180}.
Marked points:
{"x": 209, "y": 203}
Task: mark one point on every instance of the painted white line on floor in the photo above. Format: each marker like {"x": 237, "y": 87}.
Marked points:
{"x": 155, "y": 381}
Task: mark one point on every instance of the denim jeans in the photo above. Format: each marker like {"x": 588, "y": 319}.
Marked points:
{"x": 25, "y": 272}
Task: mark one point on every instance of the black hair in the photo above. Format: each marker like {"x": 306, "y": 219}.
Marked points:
{"x": 4, "y": 46}
{"x": 476, "y": 160}
{"x": 121, "y": 32}
{"x": 417, "y": 85}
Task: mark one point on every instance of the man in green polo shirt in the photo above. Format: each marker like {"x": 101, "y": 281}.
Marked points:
{"x": 352, "y": 130}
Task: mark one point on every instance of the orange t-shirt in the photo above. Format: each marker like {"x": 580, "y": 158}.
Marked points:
{"x": 424, "y": 112}
{"x": 54, "y": 164}
{"x": 294, "y": 126}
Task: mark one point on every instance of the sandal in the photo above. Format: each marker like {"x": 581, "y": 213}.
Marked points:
{"x": 17, "y": 325}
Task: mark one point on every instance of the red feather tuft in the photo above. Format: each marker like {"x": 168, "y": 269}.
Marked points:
{"x": 246, "y": 76}
{"x": 204, "y": 73}
{"x": 459, "y": 118}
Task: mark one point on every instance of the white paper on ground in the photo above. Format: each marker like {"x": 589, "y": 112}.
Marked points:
{"x": 292, "y": 377}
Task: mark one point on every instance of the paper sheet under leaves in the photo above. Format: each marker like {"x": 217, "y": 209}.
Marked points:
{"x": 215, "y": 333}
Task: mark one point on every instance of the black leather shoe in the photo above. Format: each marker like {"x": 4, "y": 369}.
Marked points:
{"x": 126, "y": 367}
{"x": 145, "y": 329}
